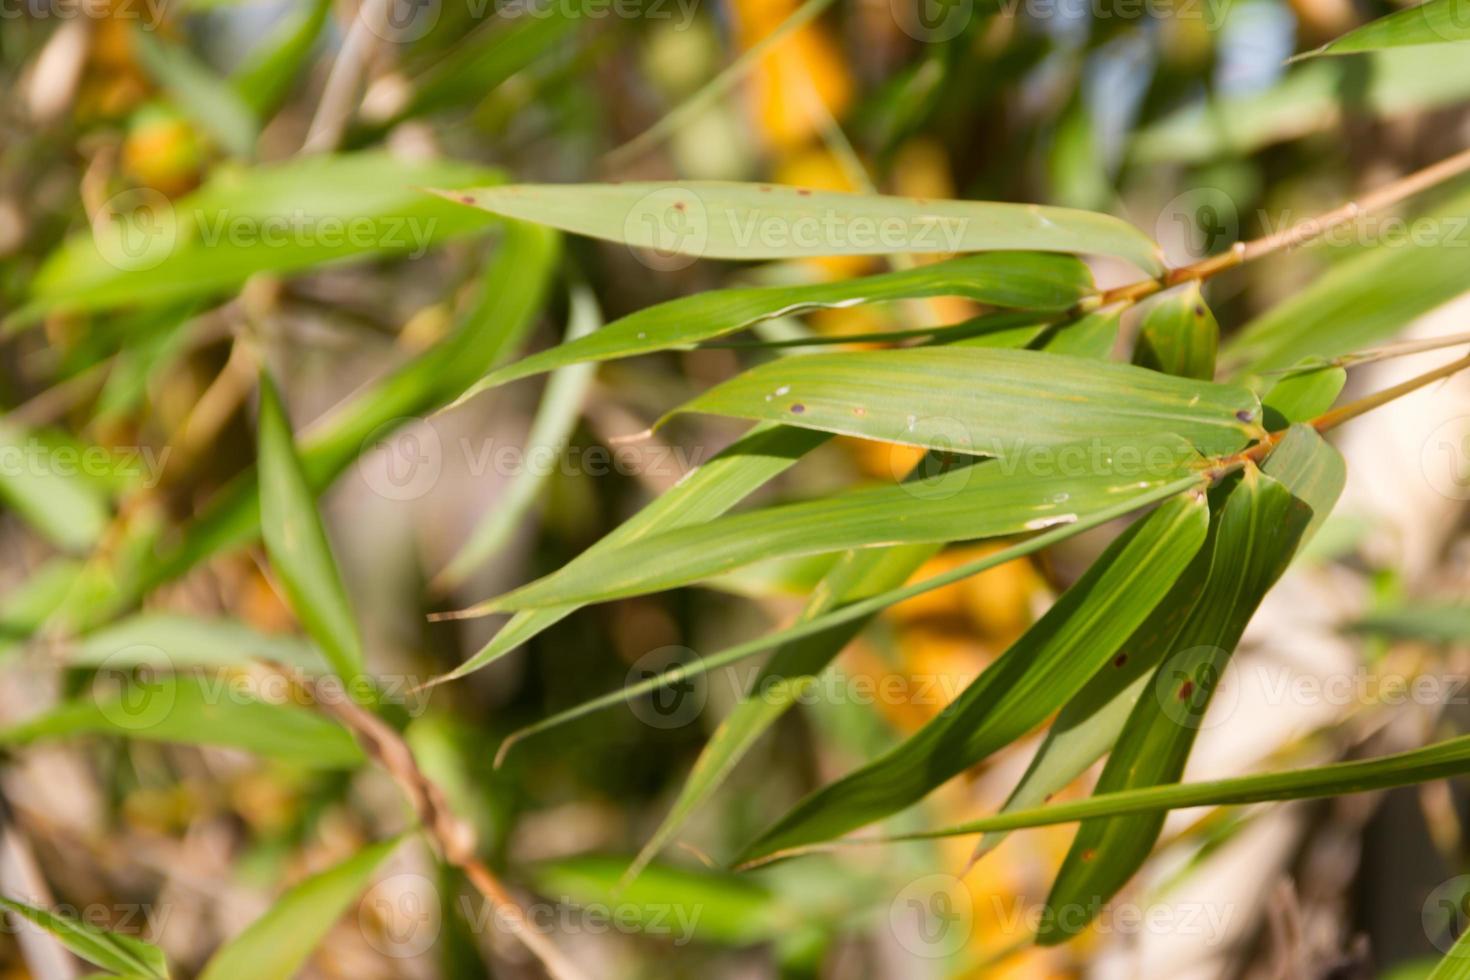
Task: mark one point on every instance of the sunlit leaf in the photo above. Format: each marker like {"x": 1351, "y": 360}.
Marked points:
{"x": 278, "y": 944}
{"x": 1179, "y": 335}
{"x": 719, "y": 220}
{"x": 1435, "y": 22}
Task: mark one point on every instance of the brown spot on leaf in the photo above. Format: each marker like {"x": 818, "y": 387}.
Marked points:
{"x": 797, "y": 407}
{"x": 1244, "y": 415}
{"x": 804, "y": 192}
{"x": 1089, "y": 854}
{"x": 1186, "y": 690}
{"x": 1120, "y": 660}
{"x": 466, "y": 199}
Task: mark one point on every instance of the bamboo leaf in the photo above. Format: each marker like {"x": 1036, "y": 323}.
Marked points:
{"x": 270, "y": 71}
{"x": 173, "y": 641}
{"x": 1009, "y": 279}
{"x": 278, "y": 944}
{"x": 1302, "y": 396}
{"x": 1036, "y": 675}
{"x": 297, "y": 543}
{"x": 561, "y": 406}
{"x": 144, "y": 249}
{"x": 992, "y": 402}
{"x": 707, "y": 492}
{"x": 195, "y": 710}
{"x": 124, "y": 955}
{"x": 1260, "y": 527}
{"x": 1456, "y": 963}
{"x": 50, "y": 493}
{"x": 204, "y": 96}
{"x": 1447, "y": 624}
{"x": 1435, "y": 22}
{"x": 720, "y": 220}
{"x": 1179, "y": 335}
{"x": 972, "y": 500}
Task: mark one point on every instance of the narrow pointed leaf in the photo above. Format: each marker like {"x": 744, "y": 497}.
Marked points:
{"x": 706, "y": 493}
{"x": 270, "y": 71}
{"x": 1435, "y": 22}
{"x": 209, "y": 100}
{"x": 197, "y": 710}
{"x": 68, "y": 509}
{"x": 1036, "y": 675}
{"x": 124, "y": 955}
{"x": 297, "y": 543}
{"x": 1302, "y": 396}
{"x": 174, "y": 641}
{"x": 277, "y": 945}
{"x": 1179, "y": 335}
{"x": 1456, "y": 963}
{"x": 720, "y": 220}
{"x": 1008, "y": 279}
{"x": 973, "y": 500}
{"x": 1262, "y": 523}
{"x": 991, "y": 402}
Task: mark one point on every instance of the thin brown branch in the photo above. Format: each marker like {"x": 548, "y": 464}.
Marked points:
{"x": 452, "y": 837}
{"x": 1298, "y": 234}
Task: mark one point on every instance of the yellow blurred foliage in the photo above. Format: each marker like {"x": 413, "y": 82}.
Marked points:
{"x": 803, "y": 67}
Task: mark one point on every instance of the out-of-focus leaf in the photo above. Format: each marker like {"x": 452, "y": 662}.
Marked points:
{"x": 149, "y": 352}
{"x": 989, "y": 402}
{"x": 277, "y": 945}
{"x": 1443, "y": 624}
{"x": 1435, "y": 22}
{"x": 676, "y": 904}
{"x": 514, "y": 286}
{"x": 1009, "y": 279}
{"x": 296, "y": 542}
{"x": 973, "y": 500}
{"x": 167, "y": 641}
{"x": 1037, "y": 674}
{"x": 704, "y": 494}
{"x": 1179, "y": 335}
{"x": 1456, "y": 963}
{"x": 561, "y": 406}
{"x": 1365, "y": 298}
{"x": 213, "y": 105}
{"x": 721, "y": 220}
{"x": 1308, "y": 100}
{"x": 271, "y": 69}
{"x": 196, "y": 710}
{"x": 1260, "y": 527}
{"x": 50, "y": 492}
{"x": 1302, "y": 396}
{"x": 124, "y": 955}
{"x": 276, "y": 219}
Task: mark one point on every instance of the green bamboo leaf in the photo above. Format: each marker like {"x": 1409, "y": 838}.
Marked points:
{"x": 1302, "y": 395}
{"x": 1263, "y": 521}
{"x": 862, "y": 609}
{"x": 51, "y": 493}
{"x": 1363, "y": 299}
{"x": 1441, "y": 760}
{"x": 272, "y": 68}
{"x": 212, "y": 103}
{"x": 145, "y": 250}
{"x": 124, "y": 955}
{"x": 1446, "y": 624}
{"x": 561, "y": 406}
{"x": 1093, "y": 335}
{"x": 1179, "y": 335}
{"x": 296, "y": 542}
{"x": 706, "y": 493}
{"x": 722, "y": 220}
{"x": 174, "y": 641}
{"x": 277, "y": 945}
{"x": 969, "y": 501}
{"x": 1035, "y": 676}
{"x": 991, "y": 402}
{"x": 196, "y": 710}
{"x": 1032, "y": 281}
{"x": 1435, "y": 22}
